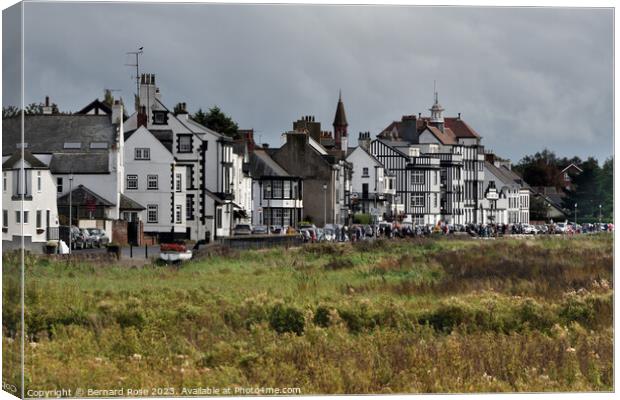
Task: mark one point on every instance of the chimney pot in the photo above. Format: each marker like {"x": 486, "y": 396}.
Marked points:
{"x": 265, "y": 145}
{"x": 459, "y": 115}
{"x": 47, "y": 101}
{"x": 419, "y": 115}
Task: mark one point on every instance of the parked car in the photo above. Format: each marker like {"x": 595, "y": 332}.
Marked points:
{"x": 99, "y": 237}
{"x": 307, "y": 226}
{"x": 329, "y": 234}
{"x": 529, "y": 229}
{"x": 242, "y": 229}
{"x": 260, "y": 230}
{"x": 541, "y": 229}
{"x": 77, "y": 238}
{"x": 89, "y": 241}
{"x": 561, "y": 227}
{"x": 276, "y": 229}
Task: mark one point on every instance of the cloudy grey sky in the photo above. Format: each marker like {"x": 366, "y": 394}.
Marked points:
{"x": 524, "y": 78}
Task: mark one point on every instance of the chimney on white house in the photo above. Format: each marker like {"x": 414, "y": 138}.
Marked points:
{"x": 117, "y": 112}
{"x": 47, "y": 109}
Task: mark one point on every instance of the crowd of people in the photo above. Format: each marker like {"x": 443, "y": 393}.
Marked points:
{"x": 356, "y": 232}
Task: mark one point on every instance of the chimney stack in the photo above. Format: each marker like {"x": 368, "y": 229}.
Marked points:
{"x": 459, "y": 116}
{"x": 117, "y": 112}
{"x": 47, "y": 109}
{"x": 181, "y": 108}
{"x": 364, "y": 140}
{"x": 265, "y": 145}
{"x": 142, "y": 117}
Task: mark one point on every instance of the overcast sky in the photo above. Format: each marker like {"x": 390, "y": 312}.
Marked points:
{"x": 523, "y": 78}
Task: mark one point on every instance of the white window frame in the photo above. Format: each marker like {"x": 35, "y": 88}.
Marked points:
{"x": 152, "y": 208}
{"x": 185, "y": 147}
{"x": 131, "y": 178}
{"x": 417, "y": 177}
{"x": 4, "y": 181}
{"x": 179, "y": 213}
{"x": 142, "y": 153}
{"x": 365, "y": 172}
{"x": 415, "y": 202}
{"x": 18, "y": 217}
{"x": 39, "y": 219}
{"x": 149, "y": 180}
{"x": 60, "y": 186}
{"x": 26, "y": 217}
{"x": 39, "y": 182}
{"x": 178, "y": 182}
{"x": 5, "y": 218}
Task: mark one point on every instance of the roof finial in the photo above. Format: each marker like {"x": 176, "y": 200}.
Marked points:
{"x": 435, "y": 91}
{"x": 339, "y": 94}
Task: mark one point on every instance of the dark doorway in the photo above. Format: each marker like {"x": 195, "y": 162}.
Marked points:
{"x": 133, "y": 233}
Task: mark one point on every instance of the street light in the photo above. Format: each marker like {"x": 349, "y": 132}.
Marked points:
{"x": 70, "y": 210}
{"x": 575, "y": 216}
{"x": 324, "y": 204}
{"x": 268, "y": 208}
{"x": 600, "y": 206}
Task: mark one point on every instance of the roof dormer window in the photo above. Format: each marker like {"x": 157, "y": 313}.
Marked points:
{"x": 160, "y": 117}
{"x": 72, "y": 145}
{"x": 98, "y": 145}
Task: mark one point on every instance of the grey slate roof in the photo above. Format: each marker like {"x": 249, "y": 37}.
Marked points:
{"x": 129, "y": 204}
{"x": 79, "y": 163}
{"x": 48, "y": 133}
{"x": 506, "y": 176}
{"x": 81, "y": 195}
{"x": 28, "y": 157}
{"x": 165, "y": 136}
{"x": 261, "y": 164}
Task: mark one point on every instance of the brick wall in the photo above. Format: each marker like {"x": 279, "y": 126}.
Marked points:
{"x": 119, "y": 232}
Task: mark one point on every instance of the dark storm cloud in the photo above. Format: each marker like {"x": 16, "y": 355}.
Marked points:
{"x": 524, "y": 78}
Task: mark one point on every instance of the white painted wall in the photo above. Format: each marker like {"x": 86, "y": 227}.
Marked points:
{"x": 162, "y": 165}
{"x": 43, "y": 199}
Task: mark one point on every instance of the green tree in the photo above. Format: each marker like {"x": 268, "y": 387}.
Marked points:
{"x": 606, "y": 188}
{"x": 217, "y": 120}
{"x": 538, "y": 209}
{"x": 540, "y": 169}
{"x": 586, "y": 192}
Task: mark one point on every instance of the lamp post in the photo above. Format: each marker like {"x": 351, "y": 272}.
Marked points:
{"x": 575, "y": 216}
{"x": 600, "y": 207}
{"x": 269, "y": 208}
{"x": 70, "y": 211}
{"x": 324, "y": 204}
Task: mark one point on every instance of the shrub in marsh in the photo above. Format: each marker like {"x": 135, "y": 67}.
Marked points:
{"x": 321, "y": 249}
{"x": 337, "y": 263}
{"x": 448, "y": 316}
{"x": 365, "y": 246}
{"x": 536, "y": 316}
{"x": 357, "y": 320}
{"x": 286, "y": 319}
{"x": 590, "y": 310}
{"x": 130, "y": 318}
{"x": 322, "y": 316}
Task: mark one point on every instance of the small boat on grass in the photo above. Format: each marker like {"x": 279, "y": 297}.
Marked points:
{"x": 174, "y": 252}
